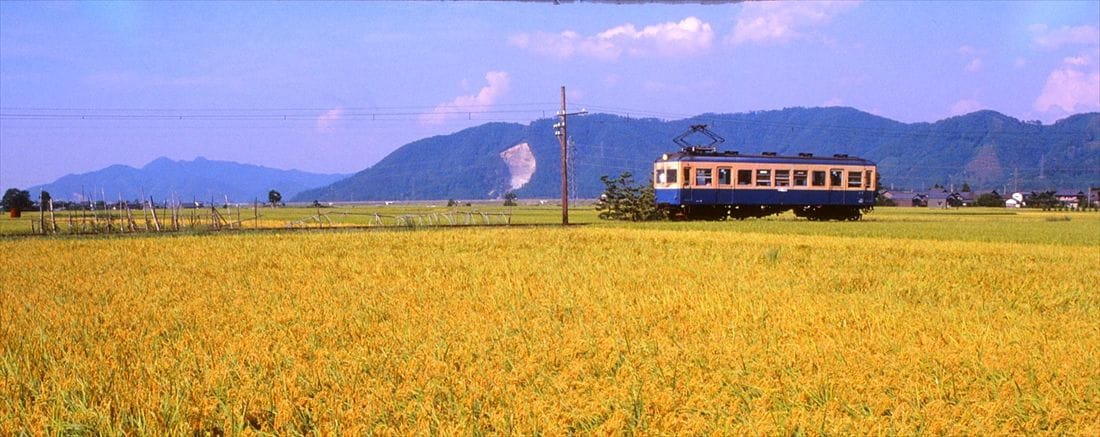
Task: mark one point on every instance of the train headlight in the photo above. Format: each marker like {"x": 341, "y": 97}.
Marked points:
{"x": 664, "y": 157}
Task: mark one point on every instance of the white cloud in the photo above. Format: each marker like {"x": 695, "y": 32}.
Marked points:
{"x": 835, "y": 101}
{"x": 974, "y": 65}
{"x": 327, "y": 120}
{"x": 965, "y": 106}
{"x": 498, "y": 83}
{"x": 1070, "y": 88}
{"x": 781, "y": 22}
{"x": 686, "y": 37}
{"x": 1046, "y": 38}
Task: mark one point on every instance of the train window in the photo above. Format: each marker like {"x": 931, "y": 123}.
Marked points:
{"x": 800, "y": 178}
{"x": 870, "y": 182}
{"x": 819, "y": 179}
{"x": 836, "y": 176}
{"x": 671, "y": 175}
{"x": 763, "y": 178}
{"x": 687, "y": 175}
{"x": 855, "y": 179}
{"x": 659, "y": 176}
{"x": 702, "y": 176}
{"x": 744, "y": 177}
{"x": 782, "y": 178}
{"x": 724, "y": 176}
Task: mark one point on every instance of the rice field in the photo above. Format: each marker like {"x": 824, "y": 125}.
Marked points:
{"x": 909, "y": 322}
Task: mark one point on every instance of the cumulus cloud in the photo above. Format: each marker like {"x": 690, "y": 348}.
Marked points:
{"x": 327, "y": 120}
{"x": 976, "y": 63}
{"x": 1044, "y": 37}
{"x": 974, "y": 66}
{"x": 686, "y": 37}
{"x": 780, "y": 22}
{"x": 1071, "y": 88}
{"x": 497, "y": 85}
{"x": 965, "y": 106}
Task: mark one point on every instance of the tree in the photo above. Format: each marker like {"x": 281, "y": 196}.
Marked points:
{"x": 44, "y": 200}
{"x": 966, "y": 187}
{"x": 882, "y": 200}
{"x": 623, "y": 199}
{"x": 992, "y": 199}
{"x": 510, "y": 198}
{"x": 1045, "y": 200}
{"x": 880, "y": 193}
{"x": 274, "y": 197}
{"x": 15, "y": 198}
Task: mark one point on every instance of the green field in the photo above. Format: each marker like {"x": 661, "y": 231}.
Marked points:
{"x": 912, "y": 321}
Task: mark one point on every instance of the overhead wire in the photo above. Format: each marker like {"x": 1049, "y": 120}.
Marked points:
{"x": 529, "y": 112}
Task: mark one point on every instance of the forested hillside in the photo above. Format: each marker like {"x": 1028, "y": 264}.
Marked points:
{"x": 985, "y": 149}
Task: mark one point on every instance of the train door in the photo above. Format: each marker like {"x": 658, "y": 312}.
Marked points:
{"x": 725, "y": 185}
{"x": 688, "y": 192}
{"x": 836, "y": 186}
{"x": 869, "y": 192}
{"x": 703, "y": 191}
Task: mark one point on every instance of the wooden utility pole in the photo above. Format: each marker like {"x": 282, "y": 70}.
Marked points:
{"x": 564, "y": 165}
{"x": 563, "y": 135}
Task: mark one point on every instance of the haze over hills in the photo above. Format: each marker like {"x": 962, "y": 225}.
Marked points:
{"x": 985, "y": 149}
{"x": 201, "y": 179}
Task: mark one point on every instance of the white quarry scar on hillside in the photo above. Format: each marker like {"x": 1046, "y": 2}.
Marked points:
{"x": 521, "y": 164}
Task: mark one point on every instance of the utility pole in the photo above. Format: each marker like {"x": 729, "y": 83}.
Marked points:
{"x": 562, "y": 134}
{"x": 564, "y": 165}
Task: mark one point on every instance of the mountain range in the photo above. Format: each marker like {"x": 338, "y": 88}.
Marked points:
{"x": 984, "y": 149}
{"x": 201, "y": 179}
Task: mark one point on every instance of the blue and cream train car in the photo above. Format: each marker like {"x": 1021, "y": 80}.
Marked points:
{"x": 711, "y": 185}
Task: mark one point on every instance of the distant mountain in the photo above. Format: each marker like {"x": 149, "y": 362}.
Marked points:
{"x": 201, "y": 179}
{"x": 985, "y": 149}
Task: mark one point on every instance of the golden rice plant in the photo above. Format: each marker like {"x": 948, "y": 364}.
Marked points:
{"x": 601, "y": 329}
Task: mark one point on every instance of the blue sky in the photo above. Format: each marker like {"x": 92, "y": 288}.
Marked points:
{"x": 334, "y": 87}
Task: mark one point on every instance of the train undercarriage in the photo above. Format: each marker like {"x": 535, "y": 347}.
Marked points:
{"x": 741, "y": 212}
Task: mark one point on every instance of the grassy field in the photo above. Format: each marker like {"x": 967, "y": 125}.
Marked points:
{"x": 247, "y": 218}
{"x": 911, "y": 321}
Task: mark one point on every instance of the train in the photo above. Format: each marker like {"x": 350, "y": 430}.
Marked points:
{"x": 701, "y": 183}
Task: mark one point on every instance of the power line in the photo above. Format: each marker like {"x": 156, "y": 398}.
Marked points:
{"x": 511, "y": 112}
{"x": 277, "y": 109}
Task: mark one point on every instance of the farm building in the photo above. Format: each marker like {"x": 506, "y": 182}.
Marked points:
{"x": 1071, "y": 198}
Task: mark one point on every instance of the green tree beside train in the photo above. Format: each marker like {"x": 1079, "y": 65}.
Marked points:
{"x": 624, "y": 199}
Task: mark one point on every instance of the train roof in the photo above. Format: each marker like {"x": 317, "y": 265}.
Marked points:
{"x": 735, "y": 157}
